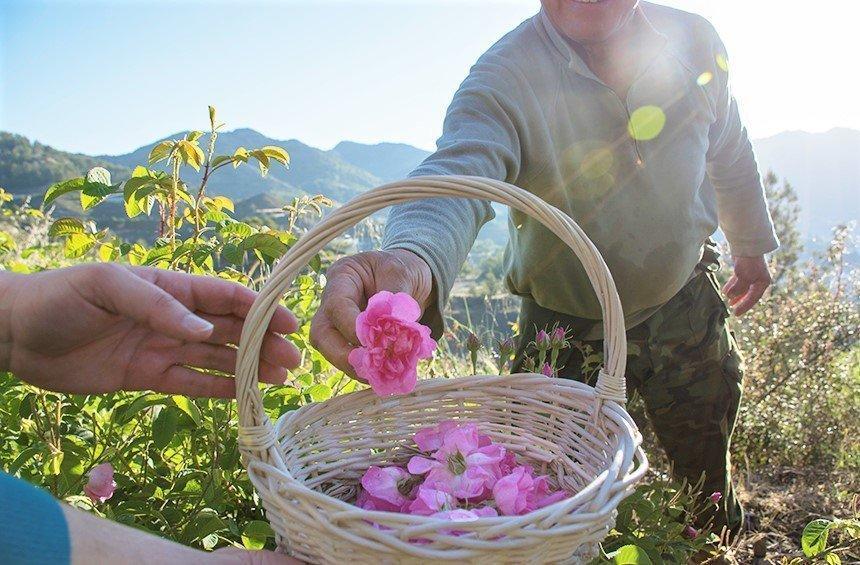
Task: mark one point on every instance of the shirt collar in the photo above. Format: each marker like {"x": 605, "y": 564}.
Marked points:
{"x": 571, "y": 57}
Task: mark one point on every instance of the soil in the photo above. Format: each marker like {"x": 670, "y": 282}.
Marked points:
{"x": 781, "y": 502}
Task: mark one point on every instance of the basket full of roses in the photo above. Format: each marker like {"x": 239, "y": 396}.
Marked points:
{"x": 520, "y": 468}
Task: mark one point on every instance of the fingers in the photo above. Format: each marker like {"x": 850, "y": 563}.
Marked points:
{"x": 214, "y": 296}
{"x": 127, "y": 294}
{"x": 326, "y": 339}
{"x": 276, "y": 350}
{"x": 223, "y": 359}
{"x": 750, "y": 299}
{"x": 190, "y": 382}
{"x": 729, "y": 289}
{"x": 342, "y": 299}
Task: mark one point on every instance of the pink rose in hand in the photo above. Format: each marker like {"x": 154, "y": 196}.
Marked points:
{"x": 383, "y": 489}
{"x": 392, "y": 342}
{"x": 101, "y": 485}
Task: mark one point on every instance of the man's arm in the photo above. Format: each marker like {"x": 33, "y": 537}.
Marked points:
{"x": 481, "y": 137}
{"x": 741, "y": 203}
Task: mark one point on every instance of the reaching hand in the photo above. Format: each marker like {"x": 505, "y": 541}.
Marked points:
{"x": 106, "y": 327}
{"x": 748, "y": 284}
{"x": 351, "y": 281}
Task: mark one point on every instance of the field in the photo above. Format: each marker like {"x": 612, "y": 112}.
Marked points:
{"x": 796, "y": 452}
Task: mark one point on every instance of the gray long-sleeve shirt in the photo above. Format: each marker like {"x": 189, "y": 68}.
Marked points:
{"x": 647, "y": 177}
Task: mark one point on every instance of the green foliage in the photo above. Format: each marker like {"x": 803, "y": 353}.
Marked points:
{"x": 651, "y": 523}
{"x": 176, "y": 459}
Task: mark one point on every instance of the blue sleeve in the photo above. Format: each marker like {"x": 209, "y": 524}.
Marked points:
{"x": 32, "y": 525}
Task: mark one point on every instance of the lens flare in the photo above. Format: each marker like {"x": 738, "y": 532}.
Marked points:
{"x": 646, "y": 122}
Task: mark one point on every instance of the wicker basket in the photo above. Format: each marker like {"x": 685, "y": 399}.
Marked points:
{"x": 308, "y": 464}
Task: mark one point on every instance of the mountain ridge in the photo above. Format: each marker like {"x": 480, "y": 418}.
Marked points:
{"x": 823, "y": 168}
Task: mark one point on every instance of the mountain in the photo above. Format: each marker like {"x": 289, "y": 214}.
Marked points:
{"x": 311, "y": 170}
{"x": 29, "y": 168}
{"x": 388, "y": 161}
{"x": 824, "y": 168}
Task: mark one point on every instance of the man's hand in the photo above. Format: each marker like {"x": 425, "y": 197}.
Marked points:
{"x": 351, "y": 281}
{"x": 106, "y": 327}
{"x": 747, "y": 285}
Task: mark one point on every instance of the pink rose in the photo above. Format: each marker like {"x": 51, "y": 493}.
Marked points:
{"x": 101, "y": 485}
{"x": 521, "y": 492}
{"x": 463, "y": 465}
{"x": 384, "y": 489}
{"x": 430, "y": 439}
{"x": 461, "y": 515}
{"x": 392, "y": 342}
{"x": 430, "y": 501}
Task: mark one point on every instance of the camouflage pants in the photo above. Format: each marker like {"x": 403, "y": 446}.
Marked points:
{"x": 684, "y": 363}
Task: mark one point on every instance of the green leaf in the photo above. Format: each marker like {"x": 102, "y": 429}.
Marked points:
{"x": 127, "y": 412}
{"x": 206, "y": 523}
{"x": 66, "y": 226}
{"x": 265, "y": 243}
{"x": 7, "y": 243}
{"x": 53, "y": 464}
{"x": 233, "y": 254}
{"x": 832, "y": 559}
{"x": 193, "y": 135}
{"x": 223, "y": 203}
{"x": 212, "y": 116}
{"x": 160, "y": 152}
{"x": 256, "y": 533}
{"x": 61, "y": 188}
{"x": 813, "y": 540}
{"x": 164, "y": 426}
{"x": 240, "y": 156}
{"x": 220, "y": 159}
{"x": 93, "y": 193}
{"x": 157, "y": 254}
{"x": 77, "y": 244}
{"x": 263, "y": 159}
{"x": 191, "y": 154}
{"x": 240, "y": 229}
{"x": 109, "y": 252}
{"x": 98, "y": 175}
{"x": 187, "y": 405}
{"x": 630, "y": 555}
{"x": 277, "y": 153}
{"x": 215, "y": 216}
{"x": 319, "y": 393}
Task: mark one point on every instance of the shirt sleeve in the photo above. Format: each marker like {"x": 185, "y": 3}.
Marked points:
{"x": 480, "y": 138}
{"x": 33, "y": 528}
{"x": 733, "y": 172}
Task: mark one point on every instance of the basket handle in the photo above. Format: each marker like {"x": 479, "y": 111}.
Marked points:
{"x": 256, "y": 434}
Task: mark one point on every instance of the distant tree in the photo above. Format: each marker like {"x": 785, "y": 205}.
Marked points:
{"x": 782, "y": 200}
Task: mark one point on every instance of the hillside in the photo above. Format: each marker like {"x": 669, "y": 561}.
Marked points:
{"x": 29, "y": 168}
{"x": 311, "y": 170}
{"x": 823, "y": 168}
{"x": 388, "y": 161}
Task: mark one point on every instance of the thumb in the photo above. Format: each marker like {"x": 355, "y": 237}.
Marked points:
{"x": 148, "y": 304}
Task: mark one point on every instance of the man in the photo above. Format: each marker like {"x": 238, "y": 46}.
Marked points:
{"x": 620, "y": 114}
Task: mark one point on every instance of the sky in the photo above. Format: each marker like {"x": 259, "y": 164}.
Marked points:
{"x": 107, "y": 77}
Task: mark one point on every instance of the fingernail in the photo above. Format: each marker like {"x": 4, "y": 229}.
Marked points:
{"x": 196, "y": 324}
